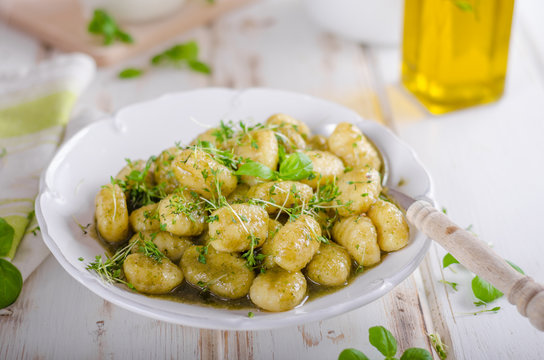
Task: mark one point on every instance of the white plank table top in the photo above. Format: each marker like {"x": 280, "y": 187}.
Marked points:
{"x": 486, "y": 163}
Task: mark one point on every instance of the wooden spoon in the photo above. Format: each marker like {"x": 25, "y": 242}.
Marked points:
{"x": 475, "y": 255}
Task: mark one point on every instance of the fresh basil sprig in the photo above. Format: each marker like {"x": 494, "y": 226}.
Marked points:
{"x": 103, "y": 24}
{"x": 295, "y": 166}
{"x": 182, "y": 55}
{"x": 385, "y": 342}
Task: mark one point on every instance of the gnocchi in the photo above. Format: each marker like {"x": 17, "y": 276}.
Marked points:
{"x": 276, "y": 195}
{"x": 278, "y": 289}
{"x": 331, "y": 265}
{"x": 352, "y": 146}
{"x": 391, "y": 225}
{"x": 235, "y": 227}
{"x": 250, "y": 212}
{"x": 224, "y": 274}
{"x": 150, "y": 276}
{"x": 359, "y": 189}
{"x": 111, "y": 213}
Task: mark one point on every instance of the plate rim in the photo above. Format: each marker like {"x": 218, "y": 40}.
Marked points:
{"x": 112, "y": 293}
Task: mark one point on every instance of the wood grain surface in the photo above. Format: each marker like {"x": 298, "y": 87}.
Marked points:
{"x": 62, "y": 24}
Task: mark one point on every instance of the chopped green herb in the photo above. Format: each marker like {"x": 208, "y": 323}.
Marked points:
{"x": 3, "y": 152}
{"x": 182, "y": 55}
{"x": 253, "y": 260}
{"x": 139, "y": 192}
{"x": 224, "y": 132}
{"x": 149, "y": 248}
{"x": 34, "y": 230}
{"x": 84, "y": 229}
{"x": 250, "y": 314}
{"x": 202, "y": 252}
{"x": 452, "y": 284}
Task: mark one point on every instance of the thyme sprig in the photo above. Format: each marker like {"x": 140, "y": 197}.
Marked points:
{"x": 149, "y": 248}
{"x": 253, "y": 258}
{"x": 110, "y": 270}
{"x": 139, "y": 192}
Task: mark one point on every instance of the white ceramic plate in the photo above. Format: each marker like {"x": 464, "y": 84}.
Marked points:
{"x": 87, "y": 161}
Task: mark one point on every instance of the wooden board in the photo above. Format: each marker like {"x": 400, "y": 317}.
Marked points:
{"x": 61, "y": 23}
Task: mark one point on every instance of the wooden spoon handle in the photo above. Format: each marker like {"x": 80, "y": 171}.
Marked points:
{"x": 476, "y": 256}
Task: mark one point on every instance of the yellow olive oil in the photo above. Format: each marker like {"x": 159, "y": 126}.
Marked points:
{"x": 455, "y": 52}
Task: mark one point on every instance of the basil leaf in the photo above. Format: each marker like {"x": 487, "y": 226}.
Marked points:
{"x": 484, "y": 290}
{"x": 130, "y": 73}
{"x": 177, "y": 53}
{"x": 517, "y": 268}
{"x": 281, "y": 152}
{"x": 448, "y": 260}
{"x": 487, "y": 292}
{"x": 383, "y": 340}
{"x": 352, "y": 354}
{"x": 6, "y": 237}
{"x": 103, "y": 24}
{"x": 200, "y": 67}
{"x": 416, "y": 354}
{"x": 254, "y": 168}
{"x": 186, "y": 51}
{"x": 296, "y": 166}
{"x": 156, "y": 60}
{"x": 124, "y": 37}
{"x": 11, "y": 283}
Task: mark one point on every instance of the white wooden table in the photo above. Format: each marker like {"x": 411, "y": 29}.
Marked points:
{"x": 487, "y": 164}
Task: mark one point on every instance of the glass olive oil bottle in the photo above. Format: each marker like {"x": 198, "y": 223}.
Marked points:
{"x": 455, "y": 51}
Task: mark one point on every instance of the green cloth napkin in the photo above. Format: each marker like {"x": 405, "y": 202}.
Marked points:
{"x": 35, "y": 106}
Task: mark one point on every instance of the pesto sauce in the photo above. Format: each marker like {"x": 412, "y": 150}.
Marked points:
{"x": 189, "y": 294}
